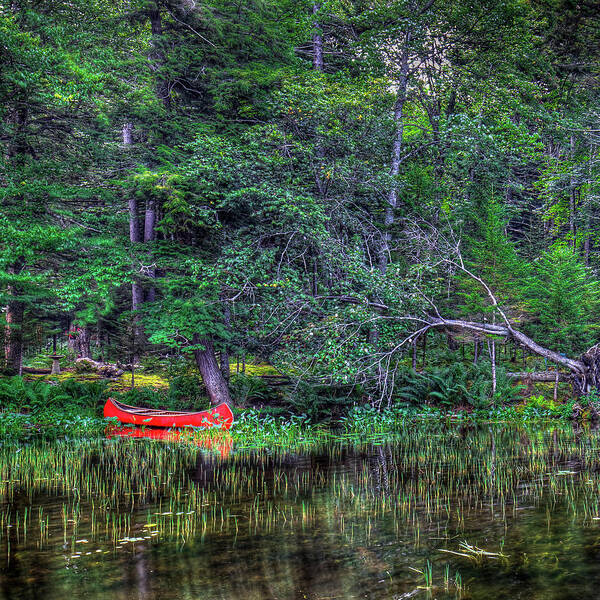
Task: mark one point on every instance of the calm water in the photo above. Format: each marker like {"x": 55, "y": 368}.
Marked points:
{"x": 157, "y": 519}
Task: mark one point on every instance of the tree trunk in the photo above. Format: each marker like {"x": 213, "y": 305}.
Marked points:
{"x": 492, "y": 353}
{"x": 390, "y": 209}
{"x": 207, "y": 364}
{"x": 84, "y": 349}
{"x": 225, "y": 363}
{"x": 150, "y": 236}
{"x": 13, "y": 333}
{"x": 588, "y": 209}
{"x": 135, "y": 237}
{"x": 157, "y": 56}
{"x": 225, "y": 370}
{"x": 317, "y": 39}
{"x": 150, "y": 222}
{"x": 14, "y": 338}
{"x": 127, "y": 134}
{"x": 572, "y": 196}
{"x": 543, "y": 376}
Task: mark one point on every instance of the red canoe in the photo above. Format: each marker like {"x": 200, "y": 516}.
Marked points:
{"x": 219, "y": 416}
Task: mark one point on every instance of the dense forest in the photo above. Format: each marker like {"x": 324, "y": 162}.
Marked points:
{"x": 353, "y": 192}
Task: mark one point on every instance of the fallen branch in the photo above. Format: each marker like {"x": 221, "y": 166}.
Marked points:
{"x": 549, "y": 376}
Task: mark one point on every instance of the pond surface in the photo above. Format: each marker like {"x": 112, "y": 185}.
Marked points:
{"x": 438, "y": 512}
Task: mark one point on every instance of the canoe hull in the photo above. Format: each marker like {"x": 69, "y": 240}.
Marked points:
{"x": 218, "y": 417}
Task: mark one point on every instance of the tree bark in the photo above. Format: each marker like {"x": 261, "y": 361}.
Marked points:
{"x": 206, "y": 361}
{"x": 587, "y": 240}
{"x": 572, "y": 195}
{"x": 157, "y": 56}
{"x": 135, "y": 237}
{"x": 150, "y": 236}
{"x": 13, "y": 332}
{"x": 541, "y": 376}
{"x": 317, "y": 39}
{"x": 492, "y": 353}
{"x": 390, "y": 209}
{"x": 84, "y": 349}
{"x": 14, "y": 338}
{"x": 150, "y": 222}
{"x": 225, "y": 370}
{"x": 127, "y": 134}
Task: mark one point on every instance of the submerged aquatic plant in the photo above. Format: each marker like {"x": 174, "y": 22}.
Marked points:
{"x": 383, "y": 505}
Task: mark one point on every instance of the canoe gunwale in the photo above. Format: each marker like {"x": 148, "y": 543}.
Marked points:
{"x": 156, "y": 412}
{"x": 217, "y": 417}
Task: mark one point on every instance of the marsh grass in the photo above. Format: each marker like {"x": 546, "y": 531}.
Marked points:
{"x": 439, "y": 496}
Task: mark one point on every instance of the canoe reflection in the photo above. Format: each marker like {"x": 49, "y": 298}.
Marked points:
{"x": 222, "y": 443}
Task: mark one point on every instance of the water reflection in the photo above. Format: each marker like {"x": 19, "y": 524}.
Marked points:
{"x": 222, "y": 442}
{"x": 494, "y": 512}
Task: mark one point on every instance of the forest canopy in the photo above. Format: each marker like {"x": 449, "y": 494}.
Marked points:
{"x": 320, "y": 185}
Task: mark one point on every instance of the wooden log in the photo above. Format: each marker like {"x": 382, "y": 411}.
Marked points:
{"x": 541, "y": 376}
{"x": 36, "y": 371}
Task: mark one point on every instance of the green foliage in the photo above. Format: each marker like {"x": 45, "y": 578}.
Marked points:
{"x": 254, "y": 429}
{"x": 144, "y": 396}
{"x": 186, "y": 392}
{"x": 19, "y": 395}
{"x": 41, "y": 410}
{"x": 320, "y": 402}
{"x": 540, "y": 407}
{"x": 455, "y": 385}
{"x": 246, "y": 389}
{"x": 281, "y": 230}
{"x": 565, "y": 297}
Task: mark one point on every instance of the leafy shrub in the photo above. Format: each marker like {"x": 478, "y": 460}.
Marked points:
{"x": 40, "y": 410}
{"x": 254, "y": 428}
{"x": 186, "y": 392}
{"x": 246, "y": 389}
{"x": 539, "y": 407}
{"x": 86, "y": 395}
{"x": 367, "y": 419}
{"x": 455, "y": 385}
{"x": 319, "y": 401}
{"x": 18, "y": 395}
{"x": 144, "y": 396}
{"x": 13, "y": 427}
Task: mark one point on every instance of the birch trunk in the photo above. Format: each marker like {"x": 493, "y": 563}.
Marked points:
{"x": 150, "y": 236}
{"x": 135, "y": 236}
{"x": 392, "y": 200}
{"x": 492, "y": 353}
{"x": 572, "y": 195}
{"x": 317, "y": 39}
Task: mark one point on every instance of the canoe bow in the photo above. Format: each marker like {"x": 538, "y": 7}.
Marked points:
{"x": 218, "y": 417}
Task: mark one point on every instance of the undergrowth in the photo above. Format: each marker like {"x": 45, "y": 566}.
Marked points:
{"x": 70, "y": 408}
